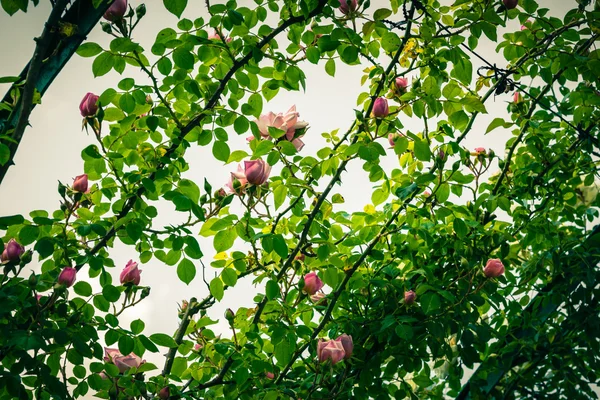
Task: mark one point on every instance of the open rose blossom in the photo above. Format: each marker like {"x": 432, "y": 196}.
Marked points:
{"x": 494, "y": 268}
{"x": 330, "y": 350}
{"x": 287, "y": 122}
{"x": 257, "y": 171}
{"x": 312, "y": 283}
{"x": 347, "y": 344}
{"x": 214, "y": 35}
{"x": 237, "y": 181}
{"x": 380, "y": 108}
{"x": 122, "y": 362}
{"x": 131, "y": 273}
{"x": 67, "y": 276}
{"x": 89, "y": 105}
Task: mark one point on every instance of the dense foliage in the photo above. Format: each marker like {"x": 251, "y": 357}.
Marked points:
{"x": 450, "y": 268}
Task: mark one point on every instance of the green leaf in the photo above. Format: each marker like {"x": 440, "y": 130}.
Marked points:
{"x": 175, "y": 7}
{"x": 137, "y": 326}
{"x": 256, "y": 102}
{"x": 497, "y": 122}
{"x": 272, "y": 290}
{"x": 430, "y": 302}
{"x": 111, "y": 293}
{"x": 163, "y": 340}
{"x": 460, "y": 228}
{"x": 4, "y": 154}
{"x": 28, "y": 234}
{"x": 126, "y": 344}
{"x": 221, "y": 150}
{"x": 330, "y": 67}
{"x": 186, "y": 271}
{"x": 5, "y": 222}
{"x": 279, "y": 195}
{"x": 12, "y": 6}
{"x": 103, "y": 64}
{"x": 280, "y": 246}
{"x": 422, "y": 151}
{"x": 224, "y": 240}
{"x": 183, "y": 58}
{"x": 443, "y": 193}
{"x": 390, "y": 42}
{"x": 229, "y": 276}
{"x": 89, "y": 49}
{"x": 83, "y": 288}
{"x": 217, "y": 288}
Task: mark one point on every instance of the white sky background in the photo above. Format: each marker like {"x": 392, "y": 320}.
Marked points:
{"x": 50, "y": 150}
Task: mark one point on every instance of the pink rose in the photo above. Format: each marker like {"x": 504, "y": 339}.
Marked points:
{"x": 89, "y": 105}
{"x": 318, "y": 298}
{"x": 116, "y": 11}
{"x": 237, "y": 181}
{"x": 392, "y": 137}
{"x": 409, "y": 297}
{"x": 287, "y": 122}
{"x": 164, "y": 393}
{"x": 517, "y": 97}
{"x": 131, "y": 273}
{"x": 330, "y": 350}
{"x": 125, "y": 363}
{"x": 401, "y": 84}
{"x": 80, "y": 183}
{"x": 257, "y": 171}
{"x": 480, "y": 150}
{"x": 214, "y": 35}
{"x": 110, "y": 354}
{"x": 510, "y": 4}
{"x": 67, "y": 276}
{"x": 347, "y": 344}
{"x": 312, "y": 283}
{"x": 12, "y": 251}
{"x": 270, "y": 375}
{"x": 494, "y": 268}
{"x": 346, "y": 7}
{"x": 380, "y": 108}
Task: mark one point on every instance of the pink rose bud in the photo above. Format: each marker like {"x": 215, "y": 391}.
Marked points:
{"x": 13, "y": 250}
{"x": 198, "y": 347}
{"x": 125, "y": 363}
{"x": 67, "y": 276}
{"x": 409, "y": 297}
{"x": 510, "y": 4}
{"x": 380, "y": 108}
{"x": 401, "y": 84}
{"x": 347, "y": 344}
{"x": 89, "y": 105}
{"x": 270, "y": 375}
{"x": 130, "y": 274}
{"x": 184, "y": 305}
{"x": 494, "y": 268}
{"x": 164, "y": 393}
{"x": 300, "y": 257}
{"x": 441, "y": 155}
{"x": 517, "y": 97}
{"x": 479, "y": 150}
{"x": 312, "y": 283}
{"x": 427, "y": 193}
{"x": 330, "y": 350}
{"x": 392, "y": 137}
{"x": 257, "y": 171}
{"x": 103, "y": 376}
{"x": 116, "y": 11}
{"x": 38, "y": 297}
{"x": 80, "y": 183}
{"x": 348, "y": 6}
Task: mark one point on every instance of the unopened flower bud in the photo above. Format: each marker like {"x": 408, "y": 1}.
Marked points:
{"x": 380, "y": 108}
{"x": 409, "y": 297}
{"x": 494, "y": 268}
{"x": 229, "y": 315}
{"x": 164, "y": 393}
{"x": 140, "y": 11}
{"x": 67, "y": 276}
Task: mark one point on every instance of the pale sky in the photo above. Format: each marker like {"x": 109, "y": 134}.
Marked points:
{"x": 50, "y": 150}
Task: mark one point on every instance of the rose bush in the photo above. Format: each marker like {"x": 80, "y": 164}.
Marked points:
{"x": 397, "y": 282}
